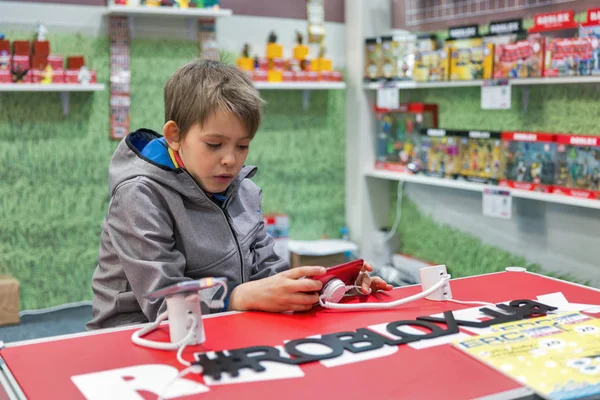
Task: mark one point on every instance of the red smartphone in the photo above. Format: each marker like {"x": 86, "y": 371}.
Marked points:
{"x": 347, "y": 272}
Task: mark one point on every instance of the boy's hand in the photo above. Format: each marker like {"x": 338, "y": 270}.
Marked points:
{"x": 371, "y": 284}
{"x": 284, "y": 291}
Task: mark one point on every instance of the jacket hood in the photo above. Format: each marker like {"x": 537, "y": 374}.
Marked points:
{"x": 128, "y": 163}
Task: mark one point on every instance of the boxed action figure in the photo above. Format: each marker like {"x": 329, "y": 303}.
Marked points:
{"x": 591, "y": 30}
{"x": 432, "y": 66}
{"x": 569, "y": 57}
{"x": 530, "y": 161}
{"x": 440, "y": 152}
{"x": 578, "y": 171}
{"x": 373, "y": 59}
{"x": 472, "y": 63}
{"x": 523, "y": 59}
{"x": 482, "y": 157}
{"x": 398, "y": 139}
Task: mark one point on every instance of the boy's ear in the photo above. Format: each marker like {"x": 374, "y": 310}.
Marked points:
{"x": 171, "y": 134}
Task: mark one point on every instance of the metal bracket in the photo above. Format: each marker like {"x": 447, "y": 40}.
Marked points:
{"x": 64, "y": 99}
{"x": 131, "y": 23}
{"x": 525, "y": 98}
{"x": 192, "y": 28}
{"x": 305, "y": 99}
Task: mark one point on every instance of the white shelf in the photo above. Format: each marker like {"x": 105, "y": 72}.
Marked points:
{"x": 63, "y": 88}
{"x": 52, "y": 87}
{"x": 301, "y": 85}
{"x": 451, "y": 84}
{"x": 478, "y": 187}
{"x": 168, "y": 11}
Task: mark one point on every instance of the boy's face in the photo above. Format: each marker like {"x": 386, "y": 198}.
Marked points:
{"x": 215, "y": 153}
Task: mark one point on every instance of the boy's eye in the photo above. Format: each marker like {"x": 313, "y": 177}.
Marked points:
{"x": 213, "y": 145}
{"x": 245, "y": 147}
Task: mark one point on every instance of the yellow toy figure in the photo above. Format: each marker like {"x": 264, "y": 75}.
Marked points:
{"x": 274, "y": 51}
{"x": 321, "y": 64}
{"x": 183, "y": 3}
{"x": 47, "y": 75}
{"x": 301, "y": 51}
{"x": 153, "y": 3}
{"x": 245, "y": 62}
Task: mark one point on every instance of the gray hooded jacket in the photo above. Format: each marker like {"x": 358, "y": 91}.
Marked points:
{"x": 161, "y": 228}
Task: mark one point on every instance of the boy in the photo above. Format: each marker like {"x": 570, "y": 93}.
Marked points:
{"x": 183, "y": 207}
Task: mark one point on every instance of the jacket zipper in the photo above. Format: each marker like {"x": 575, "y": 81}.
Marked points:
{"x": 237, "y": 243}
{"x": 226, "y": 216}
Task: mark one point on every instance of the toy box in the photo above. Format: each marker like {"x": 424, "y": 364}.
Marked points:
{"x": 440, "y": 152}
{"x": 5, "y": 76}
{"x": 20, "y": 69}
{"x": 530, "y": 161}
{"x": 5, "y": 60}
{"x": 568, "y": 57}
{"x": 482, "y": 157}
{"x": 591, "y": 30}
{"x": 463, "y": 43}
{"x": 432, "y": 66}
{"x": 523, "y": 59}
{"x": 472, "y": 63}
{"x": 373, "y": 59}
{"x": 398, "y": 138}
{"x": 578, "y": 171}
{"x": 398, "y": 56}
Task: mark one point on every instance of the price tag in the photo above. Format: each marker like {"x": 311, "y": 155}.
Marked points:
{"x": 495, "y": 95}
{"x": 388, "y": 98}
{"x": 497, "y": 203}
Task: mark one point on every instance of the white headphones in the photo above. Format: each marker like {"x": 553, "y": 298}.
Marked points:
{"x": 435, "y": 282}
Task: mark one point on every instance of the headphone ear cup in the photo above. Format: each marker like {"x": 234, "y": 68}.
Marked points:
{"x": 333, "y": 291}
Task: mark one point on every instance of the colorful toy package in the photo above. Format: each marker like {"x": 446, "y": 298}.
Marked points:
{"x": 482, "y": 157}
{"x": 472, "y": 63}
{"x": 530, "y": 161}
{"x": 591, "y": 30}
{"x": 569, "y": 57}
{"x": 523, "y": 59}
{"x": 440, "y": 152}
{"x": 373, "y": 59}
{"x": 398, "y": 136}
{"x": 432, "y": 66}
{"x": 578, "y": 171}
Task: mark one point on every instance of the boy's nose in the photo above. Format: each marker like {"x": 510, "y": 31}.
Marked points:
{"x": 228, "y": 160}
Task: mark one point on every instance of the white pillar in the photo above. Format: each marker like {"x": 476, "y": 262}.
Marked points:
{"x": 367, "y": 199}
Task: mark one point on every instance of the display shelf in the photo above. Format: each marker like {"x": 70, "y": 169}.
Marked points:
{"x": 452, "y": 84}
{"x": 479, "y": 187}
{"x": 168, "y": 11}
{"x": 301, "y": 85}
{"x": 52, "y": 87}
{"x": 63, "y": 88}
{"x": 306, "y": 87}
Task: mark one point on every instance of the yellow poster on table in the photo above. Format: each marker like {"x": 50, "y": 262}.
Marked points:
{"x": 557, "y": 356}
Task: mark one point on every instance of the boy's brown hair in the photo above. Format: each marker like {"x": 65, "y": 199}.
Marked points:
{"x": 202, "y": 87}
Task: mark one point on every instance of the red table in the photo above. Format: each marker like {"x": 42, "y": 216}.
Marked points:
{"x": 43, "y": 369}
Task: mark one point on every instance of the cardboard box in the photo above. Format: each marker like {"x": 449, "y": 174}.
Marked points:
{"x": 523, "y": 59}
{"x": 21, "y": 48}
{"x": 9, "y": 300}
{"x": 75, "y": 62}
{"x": 41, "y": 48}
{"x": 432, "y": 66}
{"x": 472, "y": 64}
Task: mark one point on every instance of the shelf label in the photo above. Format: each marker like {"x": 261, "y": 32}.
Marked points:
{"x": 496, "y": 95}
{"x": 388, "y": 98}
{"x": 497, "y": 203}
